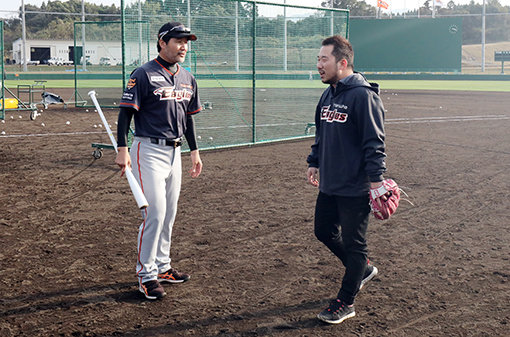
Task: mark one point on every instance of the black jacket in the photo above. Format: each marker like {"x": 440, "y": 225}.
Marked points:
{"x": 349, "y": 137}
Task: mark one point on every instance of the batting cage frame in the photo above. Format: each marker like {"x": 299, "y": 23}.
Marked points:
{"x": 254, "y": 61}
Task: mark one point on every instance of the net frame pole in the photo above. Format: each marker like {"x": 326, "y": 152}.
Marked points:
{"x": 123, "y": 42}
{"x": 2, "y": 114}
{"x": 254, "y": 72}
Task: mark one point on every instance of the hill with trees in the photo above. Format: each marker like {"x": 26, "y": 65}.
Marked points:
{"x": 55, "y": 19}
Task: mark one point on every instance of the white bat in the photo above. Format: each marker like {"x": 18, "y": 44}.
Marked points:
{"x": 135, "y": 188}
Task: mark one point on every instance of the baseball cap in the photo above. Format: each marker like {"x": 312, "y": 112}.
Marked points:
{"x": 176, "y": 30}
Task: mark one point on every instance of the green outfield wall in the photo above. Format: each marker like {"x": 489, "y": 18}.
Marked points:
{"x": 407, "y": 45}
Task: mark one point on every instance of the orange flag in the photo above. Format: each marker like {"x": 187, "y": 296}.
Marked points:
{"x": 382, "y": 4}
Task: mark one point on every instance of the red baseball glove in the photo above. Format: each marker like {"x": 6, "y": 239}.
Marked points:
{"x": 384, "y": 200}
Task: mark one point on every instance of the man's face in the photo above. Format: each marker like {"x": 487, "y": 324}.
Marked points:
{"x": 175, "y": 50}
{"x": 329, "y": 69}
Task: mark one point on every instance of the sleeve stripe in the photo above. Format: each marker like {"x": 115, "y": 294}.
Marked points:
{"x": 130, "y": 105}
{"x": 194, "y": 112}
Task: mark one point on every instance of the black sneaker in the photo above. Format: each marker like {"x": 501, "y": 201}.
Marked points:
{"x": 152, "y": 290}
{"x": 370, "y": 272}
{"x": 337, "y": 312}
{"x": 173, "y": 276}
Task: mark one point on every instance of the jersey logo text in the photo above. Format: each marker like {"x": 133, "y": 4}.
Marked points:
{"x": 157, "y": 79}
{"x": 127, "y": 96}
{"x": 169, "y": 93}
{"x": 333, "y": 115}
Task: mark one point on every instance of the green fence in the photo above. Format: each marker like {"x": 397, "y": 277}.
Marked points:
{"x": 407, "y": 45}
{"x": 255, "y": 62}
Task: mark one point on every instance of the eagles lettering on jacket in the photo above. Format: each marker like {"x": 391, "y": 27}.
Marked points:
{"x": 349, "y": 147}
{"x": 334, "y": 115}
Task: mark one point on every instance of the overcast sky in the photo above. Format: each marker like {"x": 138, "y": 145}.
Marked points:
{"x": 9, "y": 7}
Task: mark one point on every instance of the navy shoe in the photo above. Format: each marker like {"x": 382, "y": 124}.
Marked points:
{"x": 370, "y": 273}
{"x": 337, "y": 312}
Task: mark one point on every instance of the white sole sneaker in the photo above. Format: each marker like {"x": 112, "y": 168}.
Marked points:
{"x": 369, "y": 277}
{"x": 336, "y": 321}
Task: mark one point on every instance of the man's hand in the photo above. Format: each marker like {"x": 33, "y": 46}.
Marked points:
{"x": 313, "y": 176}
{"x": 123, "y": 159}
{"x": 196, "y": 164}
{"x": 376, "y": 185}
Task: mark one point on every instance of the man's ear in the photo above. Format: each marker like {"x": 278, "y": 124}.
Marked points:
{"x": 342, "y": 64}
{"x": 161, "y": 43}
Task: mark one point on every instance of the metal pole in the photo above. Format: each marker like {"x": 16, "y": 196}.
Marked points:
{"x": 483, "y": 37}
{"x": 433, "y": 8}
{"x": 2, "y": 65}
{"x": 24, "y": 35}
{"x": 189, "y": 14}
{"x": 254, "y": 72}
{"x": 83, "y": 53}
{"x": 189, "y": 26}
{"x": 139, "y": 62}
{"x": 237, "y": 36}
{"x": 123, "y": 40}
{"x": 284, "y": 36}
{"x": 332, "y": 26}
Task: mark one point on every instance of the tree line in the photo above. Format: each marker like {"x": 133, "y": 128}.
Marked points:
{"x": 54, "y": 20}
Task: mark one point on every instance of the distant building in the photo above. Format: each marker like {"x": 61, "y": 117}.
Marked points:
{"x": 96, "y": 52}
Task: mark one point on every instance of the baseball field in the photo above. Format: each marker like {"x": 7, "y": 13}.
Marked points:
{"x": 244, "y": 231}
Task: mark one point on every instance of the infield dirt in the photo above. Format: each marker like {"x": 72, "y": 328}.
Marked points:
{"x": 244, "y": 231}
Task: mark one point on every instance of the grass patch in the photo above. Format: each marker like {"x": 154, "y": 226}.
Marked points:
{"x": 292, "y": 84}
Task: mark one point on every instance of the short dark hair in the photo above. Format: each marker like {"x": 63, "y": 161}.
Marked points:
{"x": 342, "y": 49}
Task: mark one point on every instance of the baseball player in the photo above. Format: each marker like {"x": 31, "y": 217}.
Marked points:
{"x": 349, "y": 152}
{"x": 162, "y": 97}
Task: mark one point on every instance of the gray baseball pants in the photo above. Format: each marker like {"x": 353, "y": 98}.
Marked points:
{"x": 158, "y": 171}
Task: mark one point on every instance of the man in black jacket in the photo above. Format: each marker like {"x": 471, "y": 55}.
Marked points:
{"x": 349, "y": 152}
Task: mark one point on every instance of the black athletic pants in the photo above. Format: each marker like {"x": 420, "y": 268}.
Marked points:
{"x": 341, "y": 224}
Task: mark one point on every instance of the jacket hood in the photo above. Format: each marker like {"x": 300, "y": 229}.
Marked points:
{"x": 354, "y": 81}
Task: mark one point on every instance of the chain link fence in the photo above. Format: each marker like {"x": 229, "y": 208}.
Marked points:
{"x": 255, "y": 63}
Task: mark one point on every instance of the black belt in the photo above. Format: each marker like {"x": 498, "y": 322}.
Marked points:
{"x": 167, "y": 142}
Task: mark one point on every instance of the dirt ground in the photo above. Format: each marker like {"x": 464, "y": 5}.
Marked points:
{"x": 244, "y": 231}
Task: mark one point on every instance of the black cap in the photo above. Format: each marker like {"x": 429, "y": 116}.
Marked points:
{"x": 176, "y": 30}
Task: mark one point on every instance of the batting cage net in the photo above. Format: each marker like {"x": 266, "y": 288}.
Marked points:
{"x": 103, "y": 60}
{"x": 255, "y": 62}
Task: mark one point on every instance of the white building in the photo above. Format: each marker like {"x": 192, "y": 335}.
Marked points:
{"x": 96, "y": 52}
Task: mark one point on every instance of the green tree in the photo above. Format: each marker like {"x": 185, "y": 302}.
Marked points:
{"x": 356, "y": 8}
